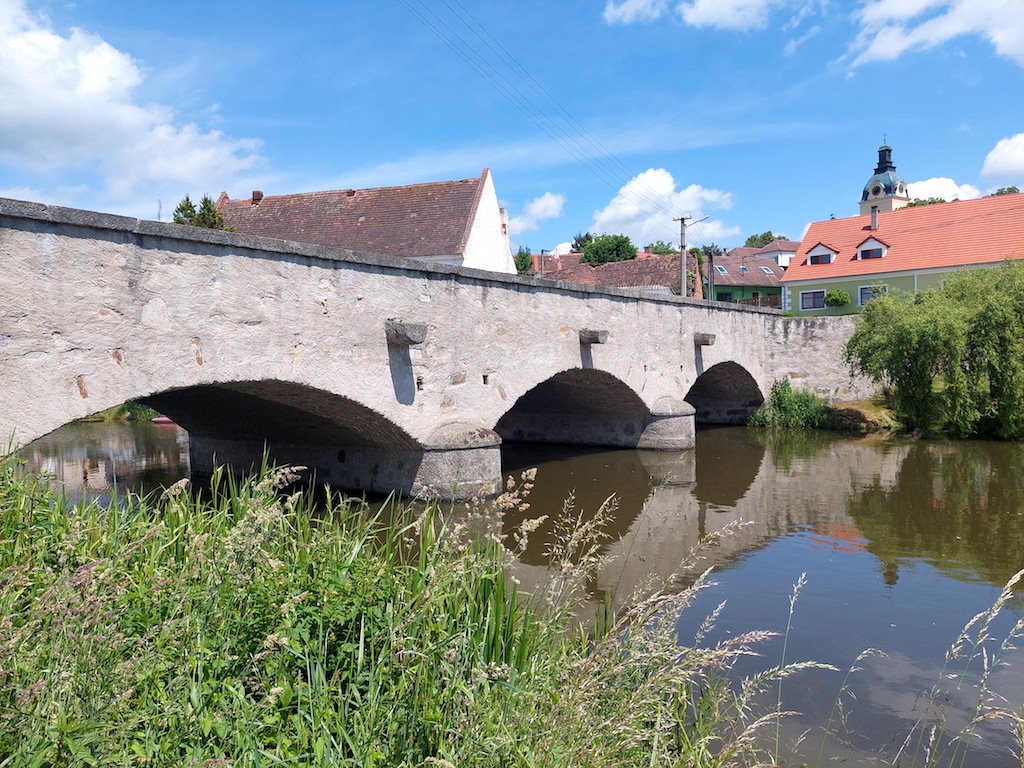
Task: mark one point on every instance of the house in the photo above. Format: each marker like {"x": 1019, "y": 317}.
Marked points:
{"x": 779, "y": 251}
{"x": 744, "y": 276}
{"x": 901, "y": 249}
{"x": 443, "y": 222}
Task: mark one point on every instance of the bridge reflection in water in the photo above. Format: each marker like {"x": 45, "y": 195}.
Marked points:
{"x": 901, "y": 545}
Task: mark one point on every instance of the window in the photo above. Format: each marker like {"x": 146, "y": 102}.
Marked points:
{"x": 812, "y": 299}
{"x": 767, "y": 270}
{"x": 744, "y": 269}
{"x": 721, "y": 270}
{"x": 869, "y": 292}
{"x": 820, "y": 258}
{"x": 725, "y": 296}
{"x": 871, "y": 253}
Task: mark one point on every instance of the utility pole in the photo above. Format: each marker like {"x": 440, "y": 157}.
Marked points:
{"x": 682, "y": 251}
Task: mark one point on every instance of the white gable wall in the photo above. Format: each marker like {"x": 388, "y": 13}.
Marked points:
{"x": 487, "y": 246}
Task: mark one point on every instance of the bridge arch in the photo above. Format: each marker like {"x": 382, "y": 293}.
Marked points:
{"x": 587, "y": 406}
{"x": 725, "y": 393}
{"x": 580, "y": 406}
{"x": 341, "y": 441}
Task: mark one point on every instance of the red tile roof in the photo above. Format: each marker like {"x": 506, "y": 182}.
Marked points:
{"x": 646, "y": 271}
{"x": 420, "y": 220}
{"x": 944, "y": 235}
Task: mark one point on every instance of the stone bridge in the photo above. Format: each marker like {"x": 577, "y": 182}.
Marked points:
{"x": 378, "y": 373}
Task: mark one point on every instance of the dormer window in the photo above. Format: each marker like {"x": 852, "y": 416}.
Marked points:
{"x": 872, "y": 248}
{"x": 821, "y": 254}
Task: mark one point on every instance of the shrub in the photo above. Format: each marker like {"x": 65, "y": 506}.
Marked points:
{"x": 837, "y": 298}
{"x": 790, "y": 408}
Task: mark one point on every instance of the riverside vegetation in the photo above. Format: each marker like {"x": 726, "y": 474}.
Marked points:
{"x": 247, "y": 630}
{"x": 952, "y": 358}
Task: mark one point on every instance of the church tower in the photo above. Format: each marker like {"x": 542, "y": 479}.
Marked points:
{"x": 886, "y": 189}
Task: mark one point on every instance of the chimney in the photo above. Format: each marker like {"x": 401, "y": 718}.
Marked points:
{"x": 257, "y": 196}
{"x": 874, "y": 217}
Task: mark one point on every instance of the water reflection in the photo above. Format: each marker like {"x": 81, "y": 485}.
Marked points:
{"x": 901, "y": 544}
{"x": 955, "y": 506}
{"x": 97, "y": 460}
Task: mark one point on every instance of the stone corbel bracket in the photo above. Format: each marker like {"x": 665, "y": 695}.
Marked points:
{"x": 403, "y": 334}
{"x": 588, "y": 336}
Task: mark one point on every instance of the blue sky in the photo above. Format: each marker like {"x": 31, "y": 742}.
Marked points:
{"x": 602, "y": 115}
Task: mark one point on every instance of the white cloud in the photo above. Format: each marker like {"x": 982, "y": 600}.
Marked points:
{"x": 644, "y": 208}
{"x": 1006, "y": 158}
{"x": 722, "y": 14}
{"x": 547, "y": 206}
{"x": 942, "y": 187}
{"x": 562, "y": 248}
{"x": 728, "y": 14}
{"x": 890, "y": 28}
{"x": 67, "y": 103}
{"x": 628, "y": 11}
{"x": 792, "y": 45}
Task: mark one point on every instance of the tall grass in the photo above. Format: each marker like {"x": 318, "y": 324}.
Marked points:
{"x": 790, "y": 409}
{"x": 246, "y": 630}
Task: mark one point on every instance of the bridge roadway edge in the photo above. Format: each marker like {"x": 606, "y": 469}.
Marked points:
{"x": 101, "y": 309}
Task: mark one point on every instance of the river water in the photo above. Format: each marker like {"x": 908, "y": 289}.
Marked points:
{"x": 899, "y": 545}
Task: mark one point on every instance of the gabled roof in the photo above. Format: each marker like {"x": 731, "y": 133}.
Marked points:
{"x": 826, "y": 246}
{"x": 873, "y": 236}
{"x": 745, "y": 270}
{"x": 945, "y": 235}
{"x": 777, "y": 246}
{"x": 419, "y": 220}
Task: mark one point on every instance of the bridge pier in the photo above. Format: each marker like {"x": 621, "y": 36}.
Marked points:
{"x": 467, "y": 466}
{"x": 670, "y": 427}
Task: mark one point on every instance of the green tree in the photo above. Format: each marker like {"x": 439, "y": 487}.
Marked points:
{"x": 661, "y": 248}
{"x": 1005, "y": 191}
{"x": 759, "y": 241}
{"x": 207, "y": 216}
{"x": 605, "y": 248}
{"x": 524, "y": 260}
{"x": 581, "y": 241}
{"x": 953, "y": 358}
{"x": 185, "y": 213}
{"x": 918, "y": 201}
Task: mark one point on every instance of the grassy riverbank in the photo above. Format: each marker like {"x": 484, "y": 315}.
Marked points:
{"x": 130, "y": 411}
{"x": 246, "y": 631}
{"x": 789, "y": 408}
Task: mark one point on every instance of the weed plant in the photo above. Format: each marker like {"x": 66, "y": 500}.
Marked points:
{"x": 243, "y": 629}
{"x": 789, "y": 408}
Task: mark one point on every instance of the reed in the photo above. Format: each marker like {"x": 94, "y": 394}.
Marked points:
{"x": 245, "y": 628}
{"x": 242, "y": 628}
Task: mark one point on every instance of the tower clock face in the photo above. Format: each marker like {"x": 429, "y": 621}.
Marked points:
{"x": 876, "y": 190}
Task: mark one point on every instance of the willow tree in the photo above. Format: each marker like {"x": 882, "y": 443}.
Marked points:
{"x": 953, "y": 358}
